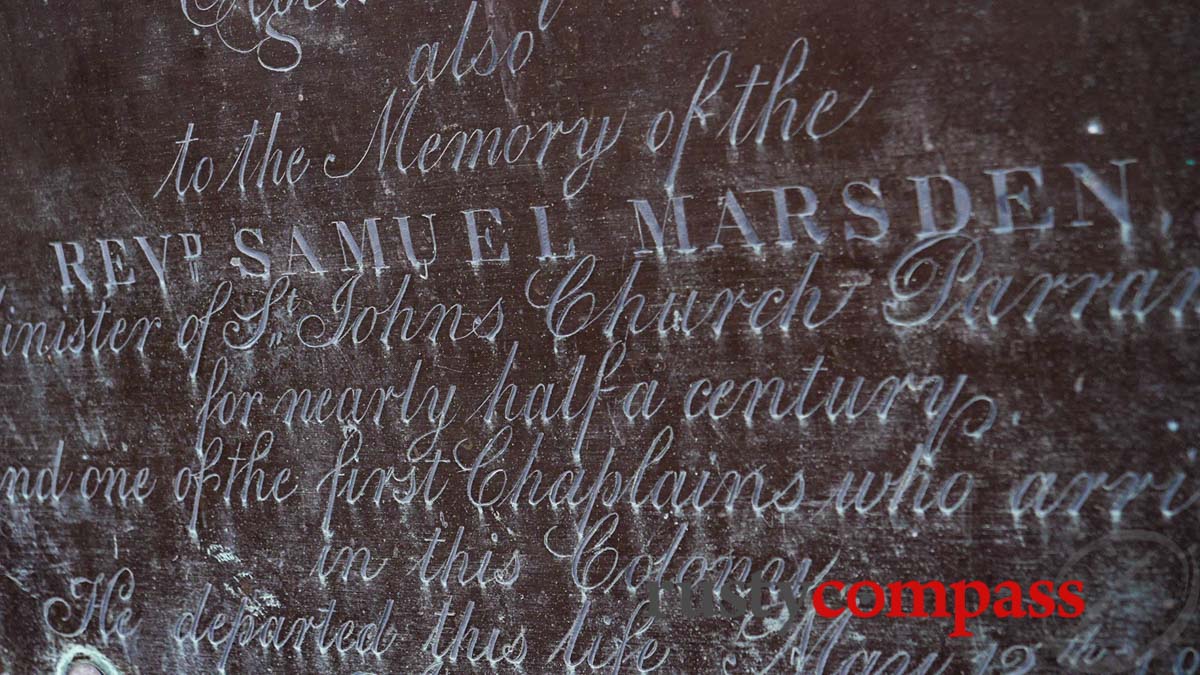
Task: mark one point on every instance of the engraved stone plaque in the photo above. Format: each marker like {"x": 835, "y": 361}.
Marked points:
{"x": 352, "y": 336}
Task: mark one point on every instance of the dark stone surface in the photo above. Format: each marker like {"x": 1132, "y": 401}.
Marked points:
{"x": 97, "y": 96}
